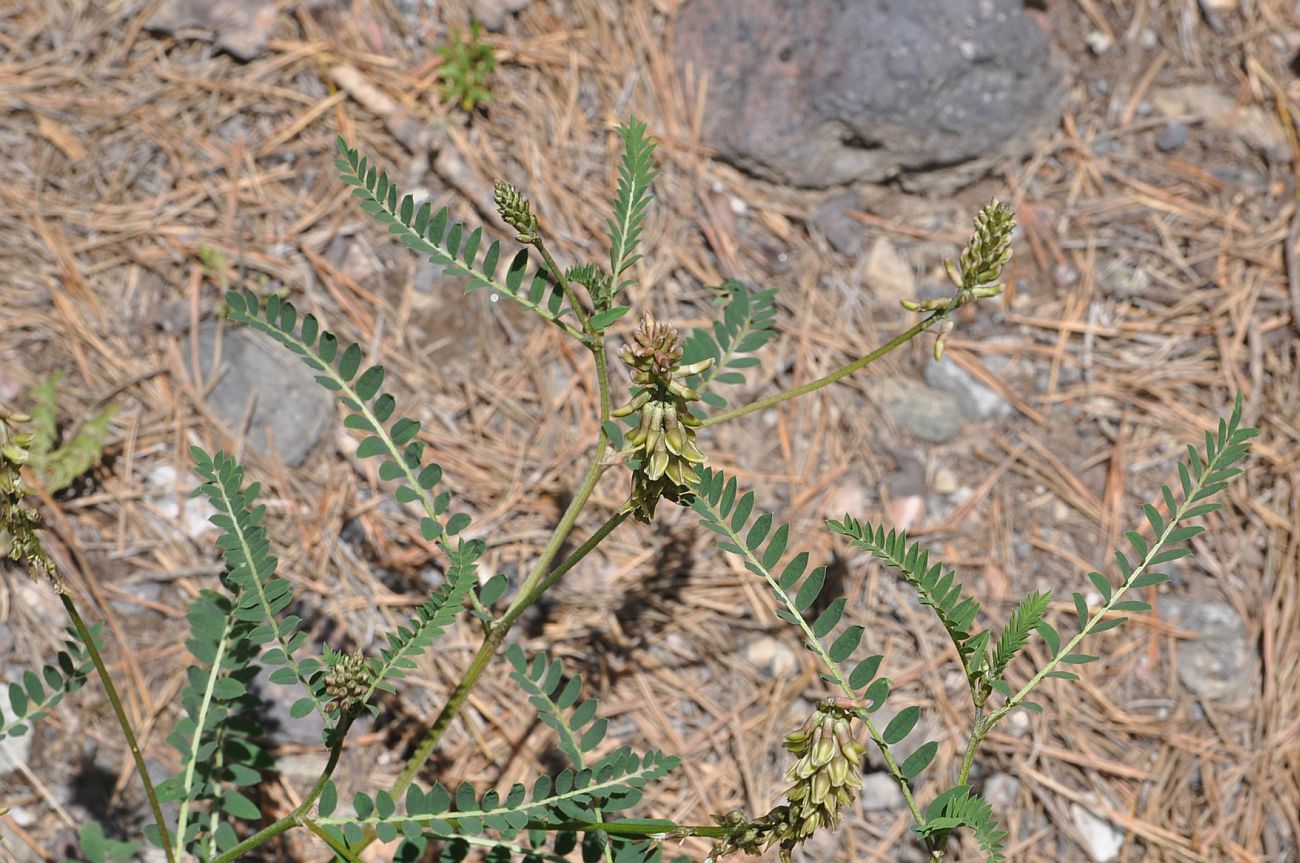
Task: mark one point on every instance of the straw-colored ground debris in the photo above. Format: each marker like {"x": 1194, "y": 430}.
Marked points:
{"x": 1157, "y": 271}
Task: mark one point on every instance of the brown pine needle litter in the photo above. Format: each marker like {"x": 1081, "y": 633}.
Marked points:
{"x": 1147, "y": 288}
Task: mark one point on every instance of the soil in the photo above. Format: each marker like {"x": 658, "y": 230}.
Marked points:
{"x": 1156, "y": 272}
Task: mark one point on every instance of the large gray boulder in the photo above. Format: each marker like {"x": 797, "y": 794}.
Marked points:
{"x": 819, "y": 93}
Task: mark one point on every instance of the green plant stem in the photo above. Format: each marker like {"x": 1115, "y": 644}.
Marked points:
{"x": 1189, "y": 500}
{"x": 564, "y": 285}
{"x": 839, "y": 374}
{"x": 296, "y": 816}
{"x": 529, "y": 591}
{"x": 814, "y": 644}
{"x": 538, "y": 582}
{"x": 340, "y": 849}
{"x": 125, "y": 724}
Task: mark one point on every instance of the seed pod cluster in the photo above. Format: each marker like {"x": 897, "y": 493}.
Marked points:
{"x": 664, "y": 438}
{"x": 20, "y": 523}
{"x": 347, "y": 682}
{"x": 827, "y": 774}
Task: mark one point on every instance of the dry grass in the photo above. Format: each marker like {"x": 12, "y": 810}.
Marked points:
{"x": 1148, "y": 287}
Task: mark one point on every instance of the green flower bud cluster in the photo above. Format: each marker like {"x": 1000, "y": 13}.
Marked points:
{"x": 347, "y": 681}
{"x": 515, "y": 211}
{"x": 664, "y": 438}
{"x": 827, "y": 774}
{"x": 20, "y": 523}
{"x": 986, "y": 253}
{"x": 989, "y": 249}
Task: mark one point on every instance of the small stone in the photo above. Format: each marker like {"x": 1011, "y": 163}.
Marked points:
{"x": 889, "y": 276}
{"x": 283, "y": 726}
{"x": 492, "y": 14}
{"x": 1172, "y": 136}
{"x": 1000, "y": 791}
{"x": 1219, "y": 109}
{"x": 238, "y": 27}
{"x": 172, "y": 501}
{"x": 1102, "y": 840}
{"x": 287, "y": 403}
{"x": 841, "y": 230}
{"x": 978, "y": 402}
{"x": 927, "y": 414}
{"x": 772, "y": 656}
{"x": 1218, "y": 664}
{"x": 1099, "y": 43}
{"x": 849, "y": 498}
{"x": 880, "y": 793}
{"x": 1064, "y": 274}
{"x": 945, "y": 481}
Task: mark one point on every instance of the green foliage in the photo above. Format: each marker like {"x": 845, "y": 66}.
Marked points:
{"x": 1024, "y": 620}
{"x": 32, "y": 699}
{"x": 98, "y": 848}
{"x": 430, "y": 618}
{"x": 219, "y": 736}
{"x": 259, "y": 596}
{"x": 467, "y": 65}
{"x": 369, "y": 408}
{"x": 935, "y": 588}
{"x": 543, "y": 681}
{"x": 635, "y": 174}
{"x": 747, "y": 324}
{"x": 454, "y": 247}
{"x": 1200, "y": 477}
{"x": 960, "y": 807}
{"x": 56, "y": 467}
{"x": 557, "y": 804}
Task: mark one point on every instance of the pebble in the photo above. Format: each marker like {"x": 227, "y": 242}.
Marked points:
{"x": 978, "y": 402}
{"x": 841, "y": 230}
{"x": 1172, "y": 136}
{"x": 771, "y": 656}
{"x": 888, "y": 275}
{"x": 1000, "y": 791}
{"x": 945, "y": 481}
{"x": 927, "y": 414}
{"x": 287, "y": 403}
{"x": 880, "y": 793}
{"x": 15, "y": 751}
{"x": 1218, "y": 663}
{"x": 1102, "y": 840}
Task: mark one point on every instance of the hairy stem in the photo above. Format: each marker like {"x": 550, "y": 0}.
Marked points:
{"x": 339, "y": 848}
{"x": 125, "y": 724}
{"x": 839, "y": 374}
{"x": 295, "y": 817}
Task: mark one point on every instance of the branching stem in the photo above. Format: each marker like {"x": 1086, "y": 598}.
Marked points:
{"x": 296, "y": 816}
{"x": 125, "y": 724}
{"x": 837, "y": 375}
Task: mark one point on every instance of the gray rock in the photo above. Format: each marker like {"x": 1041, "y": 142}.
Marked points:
{"x": 823, "y": 92}
{"x": 281, "y": 725}
{"x": 238, "y": 27}
{"x": 492, "y": 14}
{"x": 1219, "y": 663}
{"x": 283, "y": 392}
{"x": 927, "y": 414}
{"x": 1102, "y": 840}
{"x": 880, "y": 793}
{"x": 841, "y": 230}
{"x": 1000, "y": 791}
{"x": 978, "y": 402}
{"x": 1172, "y": 136}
